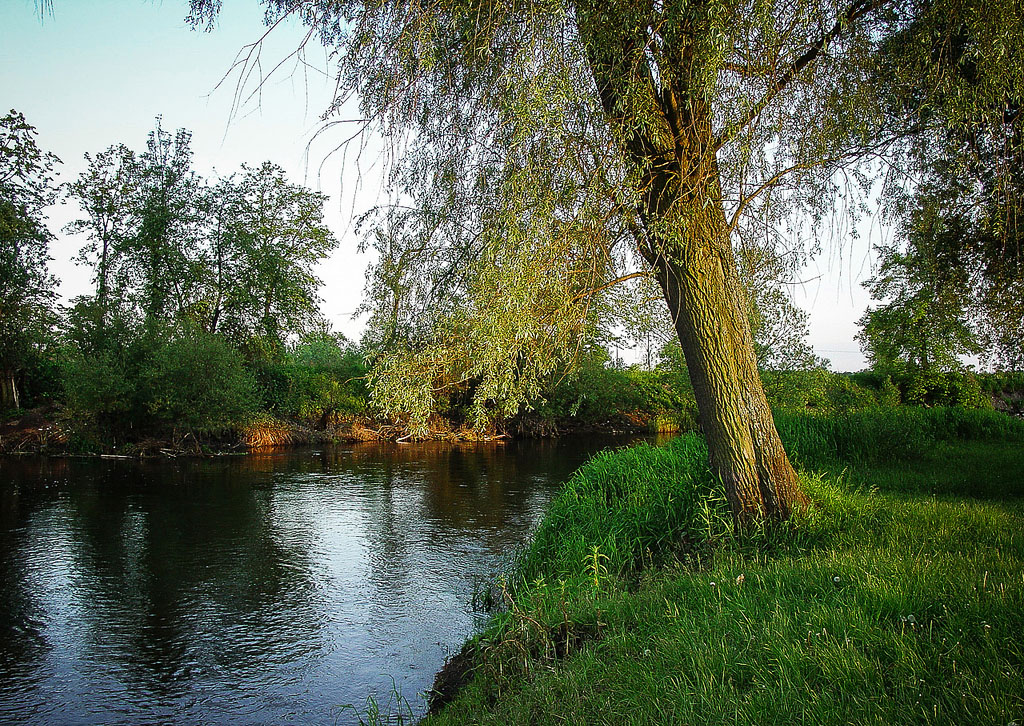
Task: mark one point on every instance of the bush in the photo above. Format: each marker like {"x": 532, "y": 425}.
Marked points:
{"x": 930, "y": 387}
{"x": 319, "y": 381}
{"x": 98, "y": 389}
{"x": 198, "y": 383}
{"x": 827, "y": 392}
{"x": 797, "y": 390}
{"x": 597, "y": 392}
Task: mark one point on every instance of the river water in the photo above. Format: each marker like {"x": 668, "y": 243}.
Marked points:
{"x": 265, "y": 589}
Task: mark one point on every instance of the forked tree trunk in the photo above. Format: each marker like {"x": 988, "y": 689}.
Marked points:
{"x": 8, "y": 391}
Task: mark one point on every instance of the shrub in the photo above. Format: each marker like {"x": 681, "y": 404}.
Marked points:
{"x": 198, "y": 383}
{"x": 796, "y": 390}
{"x": 317, "y": 382}
{"x": 97, "y": 387}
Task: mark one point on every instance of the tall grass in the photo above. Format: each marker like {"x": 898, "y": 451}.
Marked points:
{"x": 891, "y": 606}
{"x": 630, "y": 507}
{"x": 641, "y": 504}
{"x": 887, "y": 434}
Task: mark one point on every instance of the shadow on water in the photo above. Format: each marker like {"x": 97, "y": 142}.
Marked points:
{"x": 271, "y": 588}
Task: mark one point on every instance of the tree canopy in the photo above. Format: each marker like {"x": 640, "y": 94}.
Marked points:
{"x": 549, "y": 149}
{"x": 26, "y": 287}
{"x": 235, "y": 257}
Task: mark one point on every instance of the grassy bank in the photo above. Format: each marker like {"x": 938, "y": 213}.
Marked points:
{"x": 898, "y": 598}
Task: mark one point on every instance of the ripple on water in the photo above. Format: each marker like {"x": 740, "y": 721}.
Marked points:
{"x": 265, "y": 589}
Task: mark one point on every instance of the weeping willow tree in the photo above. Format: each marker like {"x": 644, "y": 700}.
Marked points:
{"x": 545, "y": 150}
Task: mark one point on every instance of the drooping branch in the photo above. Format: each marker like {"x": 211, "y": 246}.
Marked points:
{"x": 856, "y": 11}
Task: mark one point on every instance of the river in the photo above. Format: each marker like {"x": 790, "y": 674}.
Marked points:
{"x": 263, "y": 589}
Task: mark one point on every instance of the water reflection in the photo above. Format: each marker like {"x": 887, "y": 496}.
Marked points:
{"x": 263, "y": 589}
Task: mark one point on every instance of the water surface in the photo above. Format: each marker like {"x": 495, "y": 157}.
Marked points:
{"x": 267, "y": 589}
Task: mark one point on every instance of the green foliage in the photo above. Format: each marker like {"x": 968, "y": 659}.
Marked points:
{"x": 99, "y": 392}
{"x": 319, "y": 381}
{"x": 823, "y": 391}
{"x": 962, "y": 215}
{"x": 166, "y": 247}
{"x": 931, "y": 388}
{"x": 827, "y": 392}
{"x": 597, "y": 392}
{"x": 27, "y": 290}
{"x": 511, "y": 216}
{"x": 924, "y": 322}
{"x": 1002, "y": 382}
{"x": 883, "y": 604}
{"x": 798, "y": 390}
{"x": 879, "y": 435}
{"x": 198, "y": 288}
{"x": 196, "y": 383}
{"x": 265, "y": 238}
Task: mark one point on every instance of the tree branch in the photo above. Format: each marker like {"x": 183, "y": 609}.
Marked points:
{"x": 856, "y": 11}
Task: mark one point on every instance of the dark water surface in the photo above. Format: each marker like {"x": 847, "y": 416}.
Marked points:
{"x": 271, "y": 588}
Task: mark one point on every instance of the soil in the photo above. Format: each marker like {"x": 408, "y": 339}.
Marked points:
{"x": 452, "y": 678}
{"x": 48, "y": 430}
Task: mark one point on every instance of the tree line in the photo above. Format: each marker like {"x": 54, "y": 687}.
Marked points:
{"x": 205, "y": 309}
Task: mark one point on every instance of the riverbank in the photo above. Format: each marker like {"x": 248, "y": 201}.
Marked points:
{"x": 604, "y": 401}
{"x": 898, "y": 597}
{"x": 48, "y": 430}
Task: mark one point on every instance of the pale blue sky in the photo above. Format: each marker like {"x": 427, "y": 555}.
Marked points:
{"x": 99, "y": 71}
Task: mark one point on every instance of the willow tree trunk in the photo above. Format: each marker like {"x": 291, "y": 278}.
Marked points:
{"x": 690, "y": 251}
{"x": 706, "y": 300}
{"x": 658, "y": 100}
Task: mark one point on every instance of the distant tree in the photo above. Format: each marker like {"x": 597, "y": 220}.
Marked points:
{"x": 962, "y": 202}
{"x": 264, "y": 240}
{"x": 105, "y": 192}
{"x": 143, "y": 220}
{"x": 925, "y": 319}
{"x": 27, "y": 289}
{"x": 236, "y": 258}
{"x": 161, "y": 254}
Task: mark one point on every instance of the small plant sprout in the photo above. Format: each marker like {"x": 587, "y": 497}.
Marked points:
{"x": 595, "y": 565}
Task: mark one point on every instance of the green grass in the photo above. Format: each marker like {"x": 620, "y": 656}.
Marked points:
{"x": 898, "y": 598}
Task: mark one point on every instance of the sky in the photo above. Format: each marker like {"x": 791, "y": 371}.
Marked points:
{"x": 98, "y": 73}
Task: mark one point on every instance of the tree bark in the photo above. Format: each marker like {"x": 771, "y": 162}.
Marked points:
{"x": 8, "y": 392}
{"x": 704, "y": 296}
{"x": 690, "y": 252}
{"x": 685, "y": 239}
